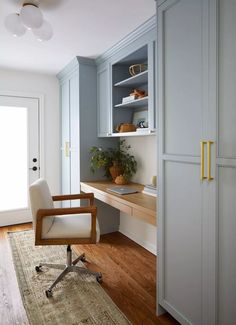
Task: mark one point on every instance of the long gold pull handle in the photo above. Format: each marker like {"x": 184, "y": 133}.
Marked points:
{"x": 209, "y": 177}
{"x": 202, "y": 177}
{"x": 67, "y": 149}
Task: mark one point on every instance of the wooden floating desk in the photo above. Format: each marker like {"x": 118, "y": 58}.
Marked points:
{"x": 138, "y": 205}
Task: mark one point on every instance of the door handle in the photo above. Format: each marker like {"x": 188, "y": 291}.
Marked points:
{"x": 202, "y": 176}
{"x": 209, "y": 177}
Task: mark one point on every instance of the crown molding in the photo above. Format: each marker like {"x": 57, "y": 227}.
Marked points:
{"x": 73, "y": 66}
{"x": 139, "y": 31}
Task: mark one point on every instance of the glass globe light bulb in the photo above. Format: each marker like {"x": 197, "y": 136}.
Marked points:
{"x": 43, "y": 33}
{"x": 14, "y": 25}
{"x": 31, "y": 16}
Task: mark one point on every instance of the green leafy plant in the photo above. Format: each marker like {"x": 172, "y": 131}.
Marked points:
{"x": 105, "y": 158}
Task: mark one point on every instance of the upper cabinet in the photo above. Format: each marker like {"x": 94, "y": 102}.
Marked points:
{"x": 125, "y": 76}
{"x": 103, "y": 100}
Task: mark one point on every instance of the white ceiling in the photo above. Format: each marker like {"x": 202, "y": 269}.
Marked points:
{"x": 81, "y": 27}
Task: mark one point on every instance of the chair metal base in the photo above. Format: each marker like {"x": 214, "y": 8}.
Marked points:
{"x": 70, "y": 266}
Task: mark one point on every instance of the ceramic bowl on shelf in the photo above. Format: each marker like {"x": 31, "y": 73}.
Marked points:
{"x": 125, "y": 127}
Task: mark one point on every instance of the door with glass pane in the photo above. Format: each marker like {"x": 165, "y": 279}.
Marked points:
{"x": 19, "y": 156}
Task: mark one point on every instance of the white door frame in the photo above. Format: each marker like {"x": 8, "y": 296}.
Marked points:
{"x": 40, "y": 98}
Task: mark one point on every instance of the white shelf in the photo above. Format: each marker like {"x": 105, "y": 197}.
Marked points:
{"x": 136, "y": 133}
{"x": 135, "y": 103}
{"x": 134, "y": 81}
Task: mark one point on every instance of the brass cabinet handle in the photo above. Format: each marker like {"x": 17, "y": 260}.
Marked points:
{"x": 202, "y": 176}
{"x": 67, "y": 149}
{"x": 209, "y": 177}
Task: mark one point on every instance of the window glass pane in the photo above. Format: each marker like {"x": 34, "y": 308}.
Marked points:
{"x": 13, "y": 158}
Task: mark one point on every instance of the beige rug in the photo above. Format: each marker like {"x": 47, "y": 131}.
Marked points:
{"x": 77, "y": 300}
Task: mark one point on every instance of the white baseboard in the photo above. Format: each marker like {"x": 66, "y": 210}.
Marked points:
{"x": 148, "y": 246}
{"x": 9, "y": 218}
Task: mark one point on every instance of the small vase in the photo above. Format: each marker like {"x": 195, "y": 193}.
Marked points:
{"x": 120, "y": 180}
{"x": 115, "y": 170}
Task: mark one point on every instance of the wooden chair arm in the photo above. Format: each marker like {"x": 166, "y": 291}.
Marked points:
{"x": 43, "y": 213}
{"x": 80, "y": 196}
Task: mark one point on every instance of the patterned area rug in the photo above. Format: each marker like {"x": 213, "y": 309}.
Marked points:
{"x": 77, "y": 300}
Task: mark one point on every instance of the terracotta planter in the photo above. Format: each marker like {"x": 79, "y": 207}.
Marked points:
{"x": 115, "y": 170}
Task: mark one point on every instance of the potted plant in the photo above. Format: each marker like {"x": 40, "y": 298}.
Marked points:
{"x": 116, "y": 161}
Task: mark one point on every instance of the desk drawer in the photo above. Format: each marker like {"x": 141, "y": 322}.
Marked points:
{"x": 112, "y": 201}
{"x": 144, "y": 216}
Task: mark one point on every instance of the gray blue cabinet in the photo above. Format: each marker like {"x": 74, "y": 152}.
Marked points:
{"x": 65, "y": 136}
{"x": 115, "y": 83}
{"x": 183, "y": 220}
{"x": 69, "y": 84}
{"x": 223, "y": 120}
{"x": 103, "y": 100}
{"x": 78, "y": 89}
{"x": 197, "y": 160}
{"x": 78, "y": 112}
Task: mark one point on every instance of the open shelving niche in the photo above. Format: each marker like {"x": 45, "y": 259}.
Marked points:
{"x": 123, "y": 85}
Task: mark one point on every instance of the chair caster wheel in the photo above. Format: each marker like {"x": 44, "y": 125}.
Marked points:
{"x": 99, "y": 278}
{"x": 48, "y": 293}
{"x": 38, "y": 269}
{"x": 83, "y": 258}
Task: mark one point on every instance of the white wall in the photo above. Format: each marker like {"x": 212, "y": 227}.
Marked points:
{"x": 47, "y": 85}
{"x": 145, "y": 151}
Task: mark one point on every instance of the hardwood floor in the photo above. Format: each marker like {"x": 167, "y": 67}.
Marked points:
{"x": 11, "y": 308}
{"x": 128, "y": 277}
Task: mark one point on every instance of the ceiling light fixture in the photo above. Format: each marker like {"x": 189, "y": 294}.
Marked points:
{"x": 31, "y": 18}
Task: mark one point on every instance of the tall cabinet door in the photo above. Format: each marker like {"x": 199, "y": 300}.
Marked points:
{"x": 70, "y": 130}
{"x": 103, "y": 100}
{"x": 74, "y": 136}
{"x": 226, "y": 163}
{"x": 184, "y": 212}
{"x": 65, "y": 138}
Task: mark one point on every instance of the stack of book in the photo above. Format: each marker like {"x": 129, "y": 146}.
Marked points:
{"x": 144, "y": 129}
{"x": 129, "y": 99}
{"x": 150, "y": 190}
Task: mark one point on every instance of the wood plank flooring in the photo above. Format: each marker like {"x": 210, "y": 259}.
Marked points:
{"x": 128, "y": 277}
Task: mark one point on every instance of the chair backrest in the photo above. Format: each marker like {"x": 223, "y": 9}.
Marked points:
{"x": 40, "y": 198}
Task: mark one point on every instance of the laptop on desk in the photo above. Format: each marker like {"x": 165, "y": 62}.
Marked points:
{"x": 122, "y": 190}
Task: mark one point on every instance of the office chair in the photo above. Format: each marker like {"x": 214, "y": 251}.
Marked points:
{"x": 63, "y": 226}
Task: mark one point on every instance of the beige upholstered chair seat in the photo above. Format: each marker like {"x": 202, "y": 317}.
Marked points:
{"x": 71, "y": 226}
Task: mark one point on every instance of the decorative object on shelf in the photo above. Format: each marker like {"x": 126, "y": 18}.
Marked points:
{"x": 129, "y": 98}
{"x": 126, "y": 127}
{"x": 140, "y": 119}
{"x": 31, "y": 18}
{"x": 154, "y": 181}
{"x": 142, "y": 125}
{"x": 120, "y": 180}
{"x": 114, "y": 157}
{"x": 137, "y": 68}
{"x": 138, "y": 93}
